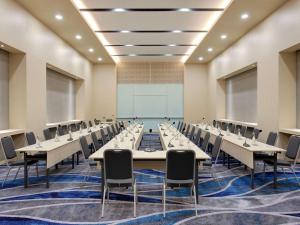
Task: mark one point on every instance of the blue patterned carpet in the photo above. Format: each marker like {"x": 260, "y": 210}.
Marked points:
{"x": 70, "y": 200}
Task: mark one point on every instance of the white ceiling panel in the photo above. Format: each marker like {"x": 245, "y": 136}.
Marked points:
{"x": 154, "y": 20}
{"x": 155, "y": 3}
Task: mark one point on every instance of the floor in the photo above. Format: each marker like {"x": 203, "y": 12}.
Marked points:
{"x": 227, "y": 200}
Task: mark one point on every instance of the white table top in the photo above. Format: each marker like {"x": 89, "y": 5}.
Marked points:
{"x": 52, "y": 144}
{"x": 50, "y": 125}
{"x": 234, "y": 139}
{"x": 9, "y": 132}
{"x": 248, "y": 124}
{"x": 292, "y": 131}
{"x": 123, "y": 141}
{"x": 179, "y": 142}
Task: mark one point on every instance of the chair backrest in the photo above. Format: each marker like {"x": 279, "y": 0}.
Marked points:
{"x": 243, "y": 130}
{"x": 214, "y": 123}
{"x": 77, "y": 125}
{"x": 180, "y": 165}
{"x": 30, "y": 138}
{"x": 8, "y": 147}
{"x": 256, "y": 132}
{"x": 224, "y": 125}
{"x": 118, "y": 164}
{"x": 231, "y": 127}
{"x": 72, "y": 127}
{"x": 272, "y": 137}
{"x": 178, "y": 125}
{"x": 293, "y": 147}
{"x": 110, "y": 133}
{"x": 90, "y": 123}
{"x": 85, "y": 147}
{"x": 97, "y": 122}
{"x": 114, "y": 131}
{"x": 198, "y": 137}
{"x": 217, "y": 146}
{"x": 191, "y": 137}
{"x": 84, "y": 126}
{"x": 95, "y": 141}
{"x": 103, "y": 136}
{"x": 65, "y": 129}
{"x": 118, "y": 127}
{"x": 183, "y": 128}
{"x": 60, "y": 131}
{"x": 186, "y": 133}
{"x": 249, "y": 132}
{"x": 205, "y": 141}
{"x": 47, "y": 134}
{"x": 237, "y": 128}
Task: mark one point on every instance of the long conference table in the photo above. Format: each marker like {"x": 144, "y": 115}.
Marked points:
{"x": 234, "y": 146}
{"x": 150, "y": 159}
{"x": 57, "y": 150}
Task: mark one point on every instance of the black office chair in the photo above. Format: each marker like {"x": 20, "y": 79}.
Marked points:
{"x": 65, "y": 129}
{"x": 271, "y": 140}
{"x": 110, "y": 134}
{"x": 72, "y": 127}
{"x": 97, "y": 122}
{"x": 186, "y": 133}
{"x": 83, "y": 124}
{"x": 197, "y": 138}
{"x": 104, "y": 138}
{"x": 95, "y": 140}
{"x": 90, "y": 123}
{"x": 237, "y": 129}
{"x": 204, "y": 145}
{"x": 178, "y": 125}
{"x": 191, "y": 135}
{"x": 47, "y": 134}
{"x": 10, "y": 155}
{"x": 291, "y": 155}
{"x": 118, "y": 172}
{"x": 60, "y": 131}
{"x": 256, "y": 132}
{"x": 183, "y": 128}
{"x": 114, "y": 131}
{"x": 180, "y": 171}
{"x": 231, "y": 127}
{"x": 224, "y": 125}
{"x": 243, "y": 130}
{"x": 30, "y": 138}
{"x": 86, "y": 150}
{"x": 214, "y": 123}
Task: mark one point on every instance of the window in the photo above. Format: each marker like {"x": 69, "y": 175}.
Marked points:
{"x": 241, "y": 96}
{"x": 60, "y": 97}
{"x": 4, "y": 94}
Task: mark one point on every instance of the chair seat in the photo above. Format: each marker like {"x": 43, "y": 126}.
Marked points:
{"x": 280, "y": 162}
{"x": 176, "y": 182}
{"x": 21, "y": 162}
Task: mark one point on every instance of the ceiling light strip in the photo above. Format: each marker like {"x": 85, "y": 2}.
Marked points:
{"x": 150, "y": 45}
{"x": 151, "y": 9}
{"x": 150, "y": 55}
{"x": 151, "y": 31}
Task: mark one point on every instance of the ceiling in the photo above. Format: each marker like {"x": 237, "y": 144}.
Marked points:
{"x": 151, "y": 30}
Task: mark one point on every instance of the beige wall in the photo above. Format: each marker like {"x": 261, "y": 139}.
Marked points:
{"x": 20, "y": 30}
{"x": 262, "y": 45}
{"x": 104, "y": 91}
{"x": 195, "y": 92}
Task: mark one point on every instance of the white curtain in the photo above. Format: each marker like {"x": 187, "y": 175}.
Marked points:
{"x": 60, "y": 97}
{"x": 241, "y": 96}
{"x": 4, "y": 95}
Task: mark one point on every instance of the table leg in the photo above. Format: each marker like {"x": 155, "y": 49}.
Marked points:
{"x": 77, "y": 158}
{"x": 196, "y": 181}
{"x": 73, "y": 161}
{"x": 47, "y": 178}
{"x": 102, "y": 177}
{"x": 25, "y": 171}
{"x": 275, "y": 170}
{"x": 56, "y": 166}
{"x": 228, "y": 161}
{"x": 252, "y": 178}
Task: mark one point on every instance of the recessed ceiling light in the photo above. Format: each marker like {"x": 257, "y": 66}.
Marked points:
{"x": 132, "y": 54}
{"x": 78, "y": 37}
{"x": 210, "y": 49}
{"x": 223, "y": 36}
{"x": 172, "y": 45}
{"x": 125, "y": 31}
{"x": 244, "y": 16}
{"x": 176, "y": 31}
{"x": 200, "y": 58}
{"x": 59, "y": 17}
{"x": 99, "y": 59}
{"x": 119, "y": 10}
{"x": 184, "y": 10}
{"x": 168, "y": 54}
{"x": 129, "y": 45}
{"x": 91, "y": 50}
{"x": 2, "y": 46}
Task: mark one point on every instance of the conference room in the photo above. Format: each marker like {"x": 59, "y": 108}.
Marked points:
{"x": 149, "y": 112}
